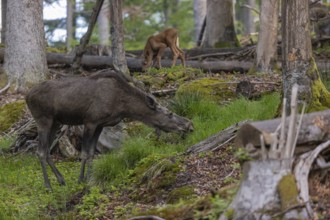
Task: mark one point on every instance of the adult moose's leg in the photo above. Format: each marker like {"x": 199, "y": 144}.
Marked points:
{"x": 57, "y": 173}
{"x": 91, "y": 151}
{"x": 44, "y": 126}
{"x": 87, "y": 142}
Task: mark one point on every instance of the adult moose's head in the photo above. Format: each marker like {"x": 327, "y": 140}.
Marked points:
{"x": 100, "y": 100}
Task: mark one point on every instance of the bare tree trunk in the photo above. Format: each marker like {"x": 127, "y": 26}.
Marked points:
{"x": 85, "y": 39}
{"x": 298, "y": 65}
{"x": 3, "y": 19}
{"x": 22, "y": 68}
{"x": 117, "y": 39}
{"x": 104, "y": 24}
{"x": 267, "y": 42}
{"x": 166, "y": 9}
{"x": 249, "y": 26}
{"x": 199, "y": 15}
{"x": 220, "y": 30}
{"x": 69, "y": 23}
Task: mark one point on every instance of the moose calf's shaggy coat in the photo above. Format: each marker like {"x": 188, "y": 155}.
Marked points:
{"x": 100, "y": 100}
{"x": 156, "y": 45}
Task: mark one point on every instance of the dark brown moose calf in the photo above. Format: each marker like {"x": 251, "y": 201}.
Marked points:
{"x": 100, "y": 100}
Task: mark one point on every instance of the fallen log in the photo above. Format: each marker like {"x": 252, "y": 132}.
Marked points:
{"x": 136, "y": 64}
{"x": 217, "y": 140}
{"x": 315, "y": 129}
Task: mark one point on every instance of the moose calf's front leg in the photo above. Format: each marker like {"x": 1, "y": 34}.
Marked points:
{"x": 160, "y": 54}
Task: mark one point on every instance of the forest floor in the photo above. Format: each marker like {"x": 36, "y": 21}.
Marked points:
{"x": 206, "y": 173}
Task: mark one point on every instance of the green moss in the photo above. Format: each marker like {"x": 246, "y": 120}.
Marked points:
{"x": 93, "y": 205}
{"x": 224, "y": 44}
{"x": 216, "y": 89}
{"x": 203, "y": 207}
{"x": 229, "y": 214}
{"x": 152, "y": 81}
{"x": 157, "y": 175}
{"x": 320, "y": 99}
{"x": 185, "y": 192}
{"x": 10, "y": 114}
{"x": 288, "y": 191}
{"x": 156, "y": 78}
{"x": 55, "y": 50}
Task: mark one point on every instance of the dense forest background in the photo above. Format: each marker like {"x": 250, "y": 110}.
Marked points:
{"x": 141, "y": 19}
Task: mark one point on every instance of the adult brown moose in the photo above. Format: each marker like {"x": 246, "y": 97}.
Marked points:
{"x": 100, "y": 100}
{"x": 156, "y": 45}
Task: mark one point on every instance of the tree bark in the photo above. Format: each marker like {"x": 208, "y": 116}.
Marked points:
{"x": 85, "y": 39}
{"x": 23, "y": 68}
{"x": 220, "y": 30}
{"x": 104, "y": 23}
{"x": 3, "y": 20}
{"x": 199, "y": 15}
{"x": 117, "y": 39}
{"x": 69, "y": 23}
{"x": 267, "y": 42}
{"x": 298, "y": 65}
{"x": 249, "y": 26}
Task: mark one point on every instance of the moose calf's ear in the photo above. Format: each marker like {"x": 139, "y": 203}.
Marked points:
{"x": 151, "y": 103}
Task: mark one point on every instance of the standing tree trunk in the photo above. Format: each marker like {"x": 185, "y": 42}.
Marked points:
{"x": 298, "y": 65}
{"x": 3, "y": 20}
{"x": 69, "y": 22}
{"x": 247, "y": 15}
{"x": 117, "y": 39}
{"x": 220, "y": 30}
{"x": 199, "y": 16}
{"x": 25, "y": 54}
{"x": 104, "y": 24}
{"x": 267, "y": 42}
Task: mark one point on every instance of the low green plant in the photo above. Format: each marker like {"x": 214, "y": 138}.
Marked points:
{"x": 22, "y": 191}
{"x": 93, "y": 204}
